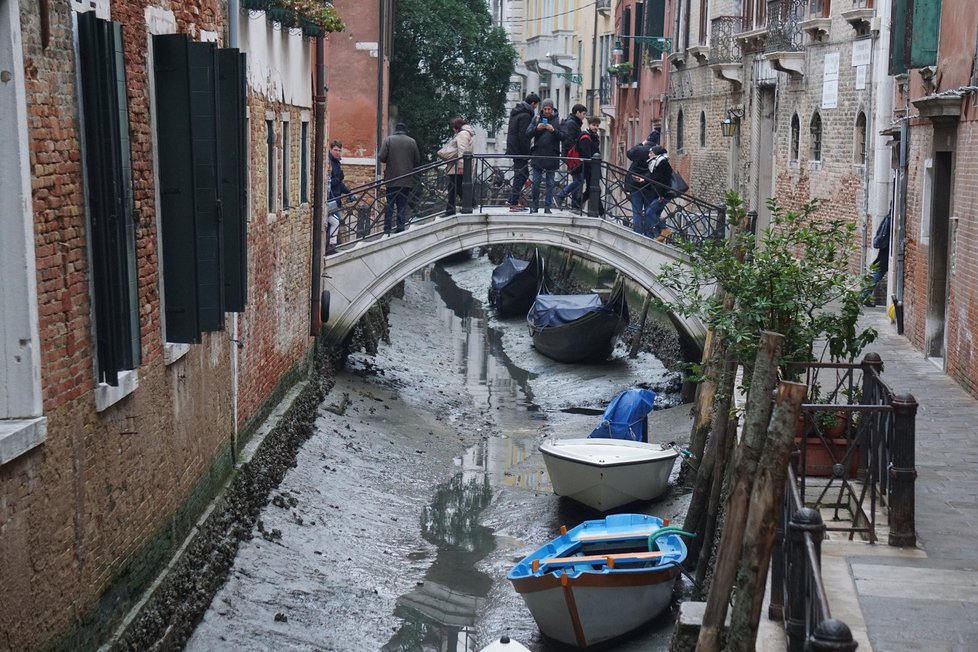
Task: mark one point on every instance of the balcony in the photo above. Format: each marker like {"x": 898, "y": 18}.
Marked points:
{"x": 784, "y": 32}
{"x": 726, "y": 55}
{"x": 816, "y": 28}
{"x": 604, "y": 6}
{"x": 784, "y": 47}
{"x": 861, "y": 19}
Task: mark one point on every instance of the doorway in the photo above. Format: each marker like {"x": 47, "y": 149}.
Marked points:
{"x": 937, "y": 267}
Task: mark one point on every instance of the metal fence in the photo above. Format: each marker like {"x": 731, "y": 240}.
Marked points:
{"x": 487, "y": 184}
{"x": 856, "y": 441}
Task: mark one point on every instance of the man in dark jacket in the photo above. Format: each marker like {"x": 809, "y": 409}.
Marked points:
{"x": 518, "y": 145}
{"x": 570, "y": 132}
{"x": 544, "y": 153}
{"x": 660, "y": 174}
{"x": 400, "y": 153}
{"x": 637, "y": 184}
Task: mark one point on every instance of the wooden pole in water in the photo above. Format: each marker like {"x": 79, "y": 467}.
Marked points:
{"x": 765, "y": 505}
{"x": 637, "y": 338}
{"x": 756, "y": 418}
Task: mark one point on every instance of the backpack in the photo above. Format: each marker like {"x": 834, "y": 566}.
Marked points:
{"x": 573, "y": 155}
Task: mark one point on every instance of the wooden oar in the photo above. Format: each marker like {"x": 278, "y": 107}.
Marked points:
{"x": 609, "y": 559}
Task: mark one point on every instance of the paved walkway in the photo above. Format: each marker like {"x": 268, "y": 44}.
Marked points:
{"x": 895, "y": 599}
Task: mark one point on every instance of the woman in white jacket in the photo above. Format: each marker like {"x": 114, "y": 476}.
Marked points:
{"x": 461, "y": 143}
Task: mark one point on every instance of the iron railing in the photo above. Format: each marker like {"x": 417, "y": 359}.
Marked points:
{"x": 723, "y": 46}
{"x": 487, "y": 182}
{"x": 798, "y": 597}
{"x": 783, "y": 25}
{"x": 870, "y": 461}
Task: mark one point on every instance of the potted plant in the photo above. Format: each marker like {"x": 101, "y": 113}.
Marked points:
{"x": 623, "y": 71}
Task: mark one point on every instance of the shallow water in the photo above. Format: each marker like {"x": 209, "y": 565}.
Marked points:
{"x": 423, "y": 486}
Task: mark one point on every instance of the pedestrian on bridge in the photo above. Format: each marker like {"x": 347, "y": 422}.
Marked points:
{"x": 335, "y": 192}
{"x": 544, "y": 154}
{"x": 570, "y": 132}
{"x": 637, "y": 181}
{"x": 518, "y": 146}
{"x": 660, "y": 175}
{"x": 460, "y": 144}
{"x": 401, "y": 154}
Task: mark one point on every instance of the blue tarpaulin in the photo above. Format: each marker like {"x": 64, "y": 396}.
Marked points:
{"x": 506, "y": 270}
{"x": 560, "y": 309}
{"x": 624, "y": 418}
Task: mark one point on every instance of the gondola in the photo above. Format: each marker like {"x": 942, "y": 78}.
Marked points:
{"x": 515, "y": 284}
{"x": 578, "y": 327}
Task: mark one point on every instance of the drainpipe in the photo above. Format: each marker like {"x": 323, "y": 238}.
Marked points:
{"x": 595, "y": 95}
{"x": 901, "y": 225}
{"x": 381, "y": 36}
{"x": 233, "y": 10}
{"x": 315, "y": 325}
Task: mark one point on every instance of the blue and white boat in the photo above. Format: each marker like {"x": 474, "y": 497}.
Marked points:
{"x": 615, "y": 464}
{"x": 601, "y": 580}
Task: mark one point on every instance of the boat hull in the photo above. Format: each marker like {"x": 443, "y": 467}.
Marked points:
{"x": 590, "y": 338}
{"x": 607, "y": 473}
{"x": 597, "y": 609}
{"x": 599, "y": 581}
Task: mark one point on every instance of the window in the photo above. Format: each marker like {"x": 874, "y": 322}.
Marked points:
{"x": 270, "y": 164}
{"x": 754, "y": 14}
{"x": 304, "y": 162}
{"x": 702, "y": 129}
{"x": 109, "y": 193}
{"x": 679, "y": 131}
{"x": 921, "y": 34}
{"x": 859, "y": 151}
{"x": 795, "y": 136}
{"x": 286, "y": 165}
{"x": 816, "y": 145}
{"x": 704, "y": 18}
{"x": 819, "y": 8}
{"x": 200, "y": 117}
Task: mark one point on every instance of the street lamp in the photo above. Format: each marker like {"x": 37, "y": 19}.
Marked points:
{"x": 728, "y": 126}
{"x": 618, "y": 50}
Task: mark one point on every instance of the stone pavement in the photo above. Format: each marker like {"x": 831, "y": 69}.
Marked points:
{"x": 899, "y": 599}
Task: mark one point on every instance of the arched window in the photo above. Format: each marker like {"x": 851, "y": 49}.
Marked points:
{"x": 859, "y": 151}
{"x": 795, "y": 136}
{"x": 702, "y": 129}
{"x": 680, "y": 139}
{"x": 816, "y": 145}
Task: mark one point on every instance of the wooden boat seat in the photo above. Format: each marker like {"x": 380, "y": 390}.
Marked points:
{"x": 624, "y": 536}
{"x": 609, "y": 559}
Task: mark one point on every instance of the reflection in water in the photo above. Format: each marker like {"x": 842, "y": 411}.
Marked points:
{"x": 441, "y": 613}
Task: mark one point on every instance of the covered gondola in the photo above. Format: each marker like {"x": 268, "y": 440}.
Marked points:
{"x": 515, "y": 284}
{"x": 578, "y": 327}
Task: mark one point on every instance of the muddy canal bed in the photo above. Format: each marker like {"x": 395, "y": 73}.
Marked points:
{"x": 423, "y": 485}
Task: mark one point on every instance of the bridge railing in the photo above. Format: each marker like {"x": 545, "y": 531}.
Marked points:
{"x": 369, "y": 211}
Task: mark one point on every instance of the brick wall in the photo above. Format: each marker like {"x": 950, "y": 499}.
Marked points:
{"x": 88, "y": 518}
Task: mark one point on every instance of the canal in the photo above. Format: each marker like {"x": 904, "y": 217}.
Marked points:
{"x": 423, "y": 485}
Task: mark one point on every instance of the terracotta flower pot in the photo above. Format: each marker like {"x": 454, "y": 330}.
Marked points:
{"x": 819, "y": 462}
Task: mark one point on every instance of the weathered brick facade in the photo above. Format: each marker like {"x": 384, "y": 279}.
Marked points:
{"x": 88, "y": 517}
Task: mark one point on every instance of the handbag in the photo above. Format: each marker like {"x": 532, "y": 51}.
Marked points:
{"x": 679, "y": 185}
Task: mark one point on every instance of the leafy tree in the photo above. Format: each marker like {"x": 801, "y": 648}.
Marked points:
{"x": 448, "y": 59}
{"x": 795, "y": 282}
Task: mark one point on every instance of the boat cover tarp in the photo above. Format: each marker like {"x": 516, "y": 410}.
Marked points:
{"x": 559, "y": 309}
{"x": 507, "y": 270}
{"x": 624, "y": 417}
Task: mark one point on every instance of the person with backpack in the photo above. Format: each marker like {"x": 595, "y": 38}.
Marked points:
{"x": 660, "y": 177}
{"x": 880, "y": 266}
{"x": 588, "y": 145}
{"x": 570, "y": 132}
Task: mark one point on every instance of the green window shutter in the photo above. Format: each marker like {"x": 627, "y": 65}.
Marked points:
{"x": 655, "y": 17}
{"x": 177, "y": 204}
{"x": 898, "y": 37}
{"x": 232, "y": 101}
{"x": 926, "y": 32}
{"x": 109, "y": 193}
{"x": 207, "y": 193}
